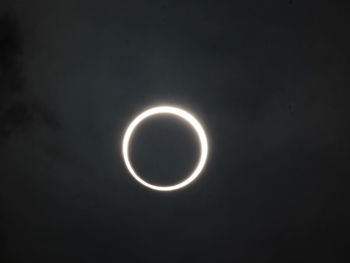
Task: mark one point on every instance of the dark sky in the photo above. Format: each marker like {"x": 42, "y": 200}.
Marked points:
{"x": 268, "y": 79}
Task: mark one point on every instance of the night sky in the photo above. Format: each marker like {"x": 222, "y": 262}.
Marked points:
{"x": 269, "y": 80}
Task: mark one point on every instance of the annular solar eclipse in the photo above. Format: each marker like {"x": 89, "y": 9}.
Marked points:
{"x": 177, "y": 112}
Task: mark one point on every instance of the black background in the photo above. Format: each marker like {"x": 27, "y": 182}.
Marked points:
{"x": 268, "y": 79}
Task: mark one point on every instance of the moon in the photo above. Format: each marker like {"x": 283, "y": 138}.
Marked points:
{"x": 192, "y": 121}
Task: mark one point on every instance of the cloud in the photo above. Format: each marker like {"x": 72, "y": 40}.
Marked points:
{"x": 18, "y": 110}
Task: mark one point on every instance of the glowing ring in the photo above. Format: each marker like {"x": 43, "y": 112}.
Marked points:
{"x": 187, "y": 117}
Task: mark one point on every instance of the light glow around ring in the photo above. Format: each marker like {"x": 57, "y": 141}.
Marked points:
{"x": 193, "y": 123}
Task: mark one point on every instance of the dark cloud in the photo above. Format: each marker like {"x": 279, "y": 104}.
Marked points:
{"x": 18, "y": 110}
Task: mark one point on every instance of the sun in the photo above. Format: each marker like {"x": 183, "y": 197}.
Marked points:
{"x": 191, "y": 120}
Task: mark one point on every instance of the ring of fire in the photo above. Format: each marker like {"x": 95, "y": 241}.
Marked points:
{"x": 194, "y": 123}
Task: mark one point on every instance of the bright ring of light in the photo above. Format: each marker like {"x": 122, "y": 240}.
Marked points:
{"x": 194, "y": 124}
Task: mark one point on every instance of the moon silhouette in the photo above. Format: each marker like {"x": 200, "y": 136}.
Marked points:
{"x": 190, "y": 119}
